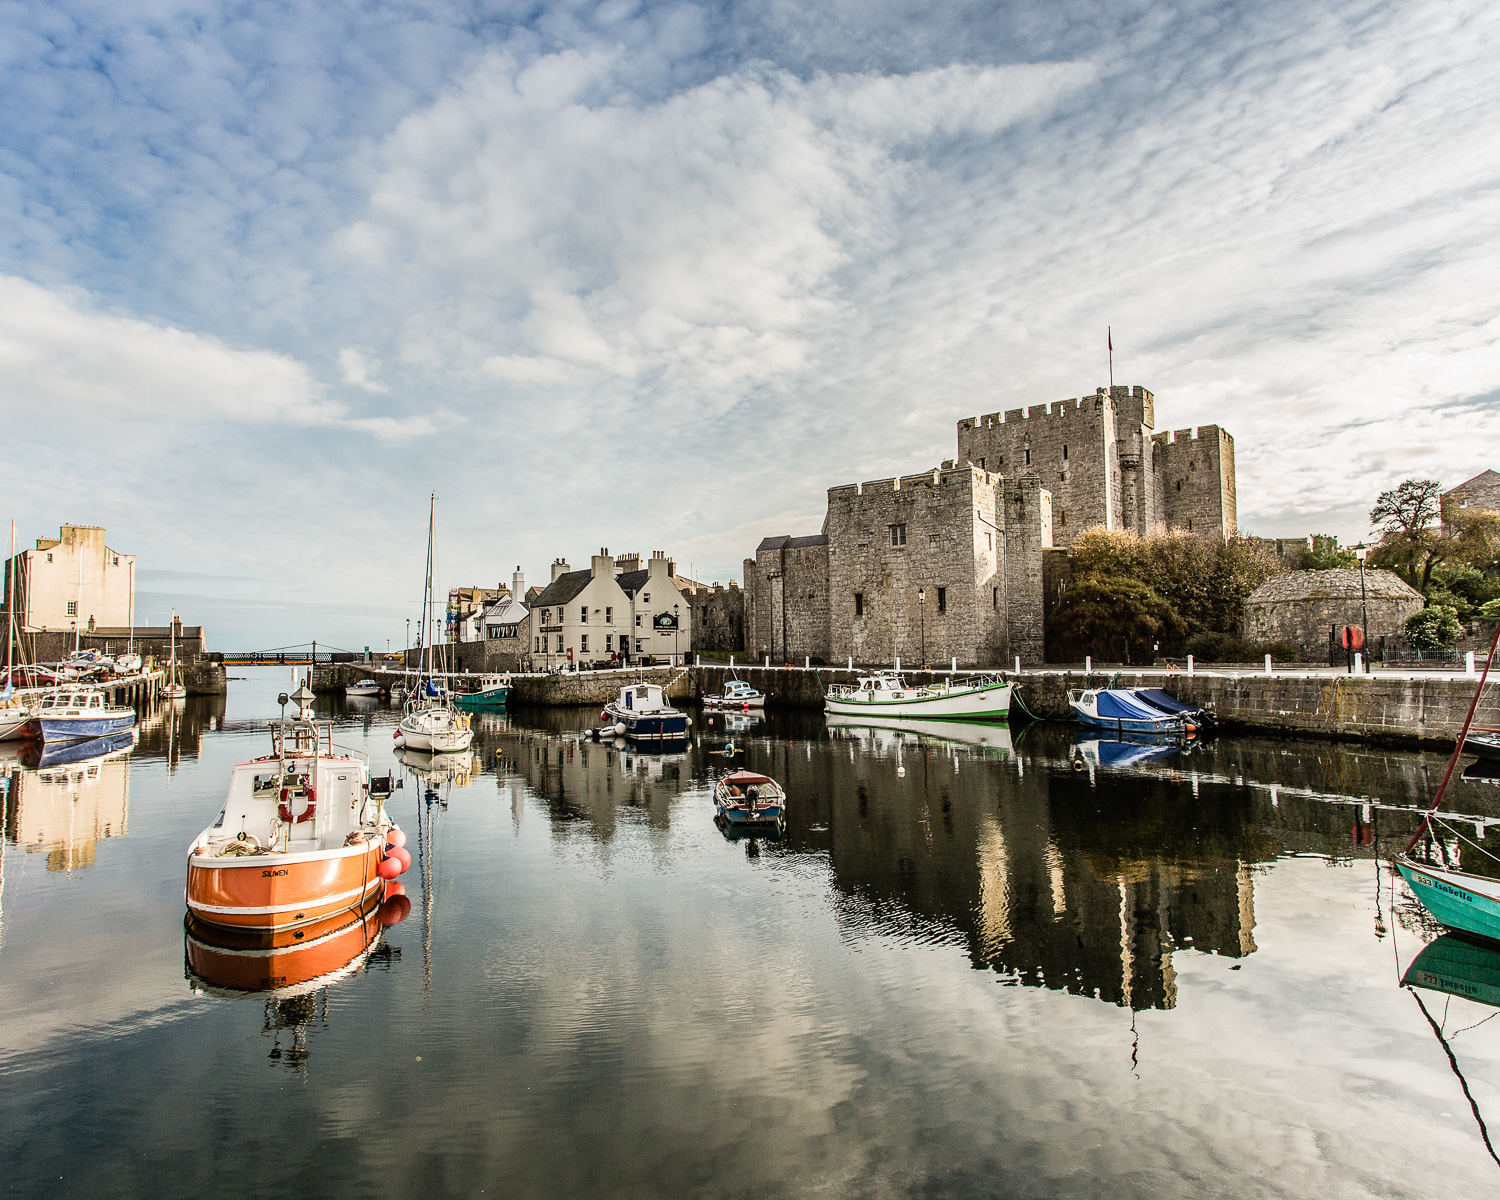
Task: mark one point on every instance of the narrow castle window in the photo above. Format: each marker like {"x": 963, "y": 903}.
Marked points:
{"x": 996, "y": 600}
{"x": 942, "y": 599}
{"x": 1179, "y": 485}
{"x": 898, "y": 534}
{"x": 989, "y": 540}
{"x": 1190, "y": 524}
{"x": 1028, "y": 458}
{"x": 1065, "y": 452}
{"x": 981, "y": 462}
{"x": 859, "y": 604}
{"x": 1062, "y": 516}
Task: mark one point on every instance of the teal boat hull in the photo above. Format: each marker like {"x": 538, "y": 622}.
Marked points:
{"x": 1458, "y": 967}
{"x": 494, "y": 698}
{"x": 1462, "y": 902}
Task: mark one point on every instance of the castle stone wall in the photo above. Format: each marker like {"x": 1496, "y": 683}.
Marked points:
{"x": 1071, "y": 448}
{"x": 1198, "y": 481}
{"x": 718, "y": 618}
{"x": 787, "y": 599}
{"x": 1028, "y": 536}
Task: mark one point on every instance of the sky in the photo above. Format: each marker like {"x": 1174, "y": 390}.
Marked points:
{"x": 655, "y": 276}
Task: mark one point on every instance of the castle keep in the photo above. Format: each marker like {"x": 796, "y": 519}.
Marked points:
{"x": 949, "y": 563}
{"x": 1105, "y": 464}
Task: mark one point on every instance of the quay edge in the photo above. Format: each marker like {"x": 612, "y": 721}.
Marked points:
{"x": 1379, "y": 708}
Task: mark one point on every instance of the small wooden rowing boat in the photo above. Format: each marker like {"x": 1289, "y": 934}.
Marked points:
{"x": 748, "y": 798}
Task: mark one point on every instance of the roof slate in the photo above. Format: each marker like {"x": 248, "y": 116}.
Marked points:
{"x": 563, "y": 588}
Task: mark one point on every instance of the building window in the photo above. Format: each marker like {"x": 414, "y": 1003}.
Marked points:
{"x": 1062, "y": 516}
{"x": 995, "y": 599}
{"x": 989, "y": 540}
{"x": 609, "y": 643}
{"x": 1000, "y": 462}
{"x": 898, "y": 534}
{"x": 72, "y": 608}
{"x": 637, "y": 620}
{"x": 559, "y": 643}
{"x": 609, "y": 616}
{"x": 981, "y": 462}
{"x": 117, "y": 560}
{"x": 1179, "y": 485}
{"x": 1028, "y": 458}
{"x": 1065, "y": 452}
{"x": 646, "y": 599}
{"x": 49, "y": 556}
{"x": 942, "y": 599}
{"x": 859, "y": 604}
{"x": 1190, "y": 524}
{"x": 583, "y": 615}
{"x": 538, "y": 645}
{"x": 583, "y": 644}
{"x": 637, "y": 645}
{"x": 546, "y": 617}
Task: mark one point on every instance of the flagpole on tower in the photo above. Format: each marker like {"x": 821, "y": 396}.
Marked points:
{"x": 1110, "y": 337}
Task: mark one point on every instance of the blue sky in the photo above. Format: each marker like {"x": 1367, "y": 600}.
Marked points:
{"x": 655, "y": 276}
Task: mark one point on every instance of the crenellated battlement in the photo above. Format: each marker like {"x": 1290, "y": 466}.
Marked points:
{"x": 1200, "y": 433}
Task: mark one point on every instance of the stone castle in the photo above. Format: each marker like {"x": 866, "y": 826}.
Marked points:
{"x": 949, "y": 564}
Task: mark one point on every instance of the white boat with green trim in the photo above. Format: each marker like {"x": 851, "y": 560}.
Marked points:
{"x": 887, "y": 694}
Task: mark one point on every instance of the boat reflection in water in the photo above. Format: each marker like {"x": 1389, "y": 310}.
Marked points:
{"x": 1458, "y": 967}
{"x": 70, "y": 797}
{"x": 433, "y": 769}
{"x": 881, "y": 734}
{"x": 291, "y": 968}
{"x": 1122, "y": 751}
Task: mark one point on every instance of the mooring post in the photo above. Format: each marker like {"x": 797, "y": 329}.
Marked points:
{"x": 1268, "y": 664}
{"x": 1469, "y": 663}
{"x": 1088, "y": 664}
{"x": 1190, "y": 664}
{"x": 1018, "y": 664}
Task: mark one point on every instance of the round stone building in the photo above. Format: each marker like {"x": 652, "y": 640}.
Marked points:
{"x": 1301, "y": 608}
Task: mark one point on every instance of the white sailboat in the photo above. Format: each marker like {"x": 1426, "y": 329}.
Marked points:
{"x": 15, "y": 715}
{"x": 429, "y": 721}
{"x": 174, "y": 690}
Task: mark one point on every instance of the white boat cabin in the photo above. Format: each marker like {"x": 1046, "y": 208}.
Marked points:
{"x": 73, "y": 704}
{"x": 644, "y": 697}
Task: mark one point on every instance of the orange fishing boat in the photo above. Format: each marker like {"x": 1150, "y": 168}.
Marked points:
{"x": 303, "y": 835}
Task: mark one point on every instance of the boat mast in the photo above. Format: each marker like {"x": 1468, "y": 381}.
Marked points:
{"x": 172, "y": 644}
{"x": 10, "y": 603}
{"x": 132, "y": 592}
{"x": 78, "y": 608}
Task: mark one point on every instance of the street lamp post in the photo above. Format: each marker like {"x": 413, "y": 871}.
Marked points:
{"x": 922, "y": 605}
{"x": 1360, "y": 551}
{"x": 676, "y": 629}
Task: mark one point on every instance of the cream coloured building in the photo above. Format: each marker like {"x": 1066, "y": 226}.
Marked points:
{"x": 72, "y": 581}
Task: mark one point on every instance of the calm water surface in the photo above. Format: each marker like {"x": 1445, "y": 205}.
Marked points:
{"x": 978, "y": 963}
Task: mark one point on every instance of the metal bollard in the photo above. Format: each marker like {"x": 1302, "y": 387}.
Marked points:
{"x": 1268, "y": 664}
{"x": 1190, "y": 664}
{"x": 1088, "y": 663}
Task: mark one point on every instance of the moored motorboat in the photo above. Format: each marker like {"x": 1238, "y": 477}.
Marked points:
{"x": 642, "y": 715}
{"x": 1122, "y": 711}
{"x": 369, "y": 688}
{"x": 17, "y": 719}
{"x": 982, "y": 698}
{"x": 1202, "y": 719}
{"x": 303, "y": 836}
{"x": 44, "y": 755}
{"x": 493, "y": 691}
{"x": 1464, "y": 901}
{"x": 749, "y": 798}
{"x": 80, "y": 713}
{"x": 736, "y": 693}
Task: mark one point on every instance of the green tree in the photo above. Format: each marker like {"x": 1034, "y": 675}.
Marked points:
{"x": 1204, "y": 580}
{"x": 1109, "y": 615}
{"x": 1325, "y": 554}
{"x": 1420, "y": 532}
{"x": 1434, "y": 628}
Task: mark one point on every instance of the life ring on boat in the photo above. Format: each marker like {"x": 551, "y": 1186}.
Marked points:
{"x": 284, "y": 809}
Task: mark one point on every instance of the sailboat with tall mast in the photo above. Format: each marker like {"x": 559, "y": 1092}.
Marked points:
{"x": 429, "y": 720}
{"x": 15, "y": 715}
{"x": 174, "y": 689}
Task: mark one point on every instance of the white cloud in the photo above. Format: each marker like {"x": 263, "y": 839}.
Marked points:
{"x": 58, "y": 351}
{"x": 359, "y": 370}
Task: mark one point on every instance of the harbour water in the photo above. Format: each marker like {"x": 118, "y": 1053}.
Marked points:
{"x": 977, "y": 963}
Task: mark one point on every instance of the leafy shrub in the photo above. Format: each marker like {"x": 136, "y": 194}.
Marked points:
{"x": 1434, "y": 628}
{"x": 1108, "y": 615}
{"x": 1490, "y": 609}
{"x": 1226, "y": 647}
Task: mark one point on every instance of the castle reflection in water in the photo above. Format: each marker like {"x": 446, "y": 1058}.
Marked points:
{"x": 1040, "y": 861}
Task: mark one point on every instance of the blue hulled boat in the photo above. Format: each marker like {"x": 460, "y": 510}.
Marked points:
{"x": 1123, "y": 711}
{"x": 747, "y": 798}
{"x": 69, "y": 714}
{"x": 643, "y": 715}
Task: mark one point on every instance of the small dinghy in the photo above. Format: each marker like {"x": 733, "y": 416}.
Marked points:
{"x": 746, "y": 798}
{"x": 736, "y": 694}
{"x": 1121, "y": 710}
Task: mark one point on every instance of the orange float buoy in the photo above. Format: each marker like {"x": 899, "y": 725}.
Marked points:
{"x": 394, "y": 888}
{"x": 395, "y": 836}
{"x": 401, "y": 855}
{"x": 389, "y": 868}
{"x": 395, "y": 910}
